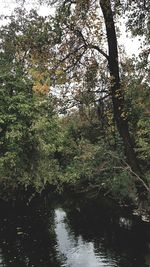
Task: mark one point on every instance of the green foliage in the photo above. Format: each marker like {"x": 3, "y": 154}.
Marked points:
{"x": 138, "y": 17}
{"x": 138, "y": 108}
{"x": 143, "y": 139}
{"x": 87, "y": 165}
{"x": 29, "y": 132}
{"x": 81, "y": 149}
{"x": 123, "y": 187}
{"x": 28, "y": 136}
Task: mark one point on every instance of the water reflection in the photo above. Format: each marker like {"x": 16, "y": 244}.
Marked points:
{"x": 75, "y": 235}
{"x": 27, "y": 240}
{"x": 74, "y": 251}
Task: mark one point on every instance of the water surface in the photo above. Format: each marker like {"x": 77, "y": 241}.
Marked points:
{"x": 73, "y": 236}
{"x": 74, "y": 250}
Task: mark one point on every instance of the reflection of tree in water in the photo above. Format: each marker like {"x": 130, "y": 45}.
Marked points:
{"x": 115, "y": 237}
{"x": 29, "y": 239}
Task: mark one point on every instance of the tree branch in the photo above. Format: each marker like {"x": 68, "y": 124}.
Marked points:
{"x": 70, "y": 68}
{"x": 96, "y": 47}
{"x": 138, "y": 177}
{"x": 128, "y": 167}
{"x": 71, "y": 53}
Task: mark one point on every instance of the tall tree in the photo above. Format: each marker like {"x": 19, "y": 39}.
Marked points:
{"x": 117, "y": 93}
{"x": 84, "y": 29}
{"x": 71, "y": 47}
{"x": 81, "y": 29}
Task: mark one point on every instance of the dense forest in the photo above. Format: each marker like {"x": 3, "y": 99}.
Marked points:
{"x": 74, "y": 106}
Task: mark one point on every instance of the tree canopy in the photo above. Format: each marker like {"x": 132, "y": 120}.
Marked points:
{"x": 74, "y": 107}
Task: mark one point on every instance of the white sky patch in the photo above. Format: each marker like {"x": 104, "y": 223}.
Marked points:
{"x": 131, "y": 45}
{"x": 45, "y": 11}
{"x": 8, "y": 6}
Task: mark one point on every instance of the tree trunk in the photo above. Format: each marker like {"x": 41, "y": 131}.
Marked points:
{"x": 116, "y": 90}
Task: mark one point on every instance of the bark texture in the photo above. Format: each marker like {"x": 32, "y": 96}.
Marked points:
{"x": 116, "y": 91}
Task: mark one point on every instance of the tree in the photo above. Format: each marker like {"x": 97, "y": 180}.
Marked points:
{"x": 82, "y": 38}
{"x": 116, "y": 90}
{"x": 69, "y": 53}
{"x": 76, "y": 42}
{"x": 29, "y": 128}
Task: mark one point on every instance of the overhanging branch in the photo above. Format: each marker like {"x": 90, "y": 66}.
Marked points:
{"x": 96, "y": 47}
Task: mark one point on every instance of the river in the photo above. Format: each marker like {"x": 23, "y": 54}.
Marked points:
{"x": 76, "y": 235}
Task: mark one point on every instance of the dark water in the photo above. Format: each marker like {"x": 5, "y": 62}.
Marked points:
{"x": 73, "y": 235}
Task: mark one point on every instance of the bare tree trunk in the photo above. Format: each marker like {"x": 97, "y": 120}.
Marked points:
{"x": 116, "y": 91}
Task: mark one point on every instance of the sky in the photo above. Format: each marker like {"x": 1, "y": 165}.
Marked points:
{"x": 7, "y": 7}
{"x": 131, "y": 45}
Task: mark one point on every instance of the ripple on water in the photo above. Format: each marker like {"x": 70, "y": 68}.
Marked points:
{"x": 74, "y": 251}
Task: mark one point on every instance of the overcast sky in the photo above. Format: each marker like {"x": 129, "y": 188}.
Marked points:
{"x": 131, "y": 45}
{"x": 7, "y": 7}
